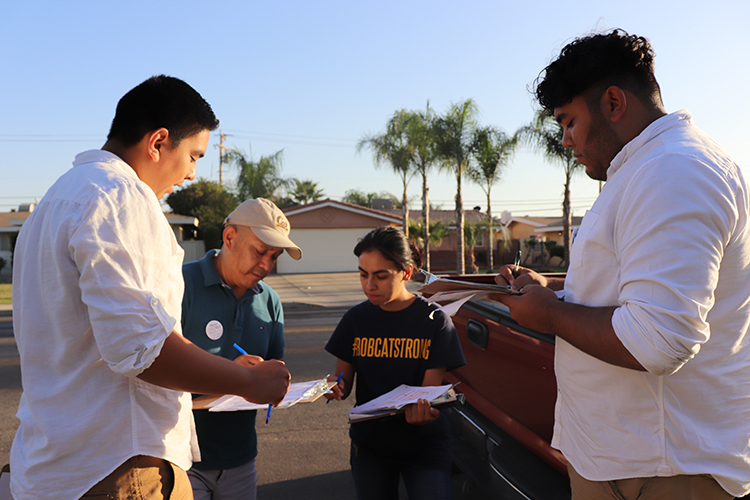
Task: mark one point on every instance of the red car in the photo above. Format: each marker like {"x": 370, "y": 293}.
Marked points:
{"x": 501, "y": 435}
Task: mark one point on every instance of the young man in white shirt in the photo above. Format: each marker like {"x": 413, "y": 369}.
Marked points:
{"x": 652, "y": 350}
{"x": 97, "y": 290}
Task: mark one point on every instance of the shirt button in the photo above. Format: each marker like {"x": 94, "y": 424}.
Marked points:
{"x": 154, "y": 301}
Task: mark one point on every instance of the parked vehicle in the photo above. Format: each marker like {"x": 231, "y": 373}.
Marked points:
{"x": 501, "y": 435}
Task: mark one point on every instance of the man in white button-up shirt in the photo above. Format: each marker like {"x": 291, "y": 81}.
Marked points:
{"x": 653, "y": 353}
{"x": 97, "y": 291}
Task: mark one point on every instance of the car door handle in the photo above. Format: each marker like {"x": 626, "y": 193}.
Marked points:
{"x": 477, "y": 333}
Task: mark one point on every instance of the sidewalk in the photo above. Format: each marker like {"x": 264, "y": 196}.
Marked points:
{"x": 321, "y": 289}
{"x": 318, "y": 289}
{"x": 305, "y": 290}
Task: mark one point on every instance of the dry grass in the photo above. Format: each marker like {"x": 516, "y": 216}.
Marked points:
{"x": 6, "y": 293}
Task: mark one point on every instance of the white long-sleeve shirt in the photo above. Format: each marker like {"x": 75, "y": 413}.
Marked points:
{"x": 97, "y": 288}
{"x": 668, "y": 242}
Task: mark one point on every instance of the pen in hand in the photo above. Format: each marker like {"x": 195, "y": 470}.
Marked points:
{"x": 242, "y": 351}
{"x": 338, "y": 381}
{"x": 517, "y": 263}
{"x": 268, "y": 412}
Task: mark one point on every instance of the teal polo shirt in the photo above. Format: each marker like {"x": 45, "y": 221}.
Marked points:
{"x": 214, "y": 320}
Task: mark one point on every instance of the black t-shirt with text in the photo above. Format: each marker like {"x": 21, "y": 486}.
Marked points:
{"x": 390, "y": 348}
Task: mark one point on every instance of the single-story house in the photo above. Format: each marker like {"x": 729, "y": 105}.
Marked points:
{"x": 184, "y": 228}
{"x": 327, "y": 232}
{"x": 551, "y": 228}
{"x": 443, "y": 256}
{"x": 529, "y": 228}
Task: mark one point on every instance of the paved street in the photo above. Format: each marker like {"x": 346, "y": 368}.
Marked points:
{"x": 304, "y": 450}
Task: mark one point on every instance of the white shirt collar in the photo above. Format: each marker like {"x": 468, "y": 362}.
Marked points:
{"x": 653, "y": 130}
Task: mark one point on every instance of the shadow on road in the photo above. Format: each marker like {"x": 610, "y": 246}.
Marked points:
{"x": 332, "y": 486}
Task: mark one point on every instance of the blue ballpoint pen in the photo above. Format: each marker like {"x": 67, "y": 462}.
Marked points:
{"x": 338, "y": 381}
{"x": 268, "y": 413}
{"x": 242, "y": 351}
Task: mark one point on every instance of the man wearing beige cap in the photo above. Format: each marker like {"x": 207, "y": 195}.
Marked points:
{"x": 226, "y": 303}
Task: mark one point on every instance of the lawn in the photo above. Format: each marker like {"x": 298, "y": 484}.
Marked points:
{"x": 6, "y": 293}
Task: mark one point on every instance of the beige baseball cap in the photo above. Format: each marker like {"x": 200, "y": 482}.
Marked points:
{"x": 268, "y": 223}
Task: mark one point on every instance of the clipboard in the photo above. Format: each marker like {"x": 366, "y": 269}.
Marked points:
{"x": 447, "y": 399}
{"x": 299, "y": 392}
{"x": 442, "y": 285}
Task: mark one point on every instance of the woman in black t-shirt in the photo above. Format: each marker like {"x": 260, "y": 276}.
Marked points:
{"x": 395, "y": 338}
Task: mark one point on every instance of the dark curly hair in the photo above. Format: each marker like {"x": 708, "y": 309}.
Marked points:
{"x": 597, "y": 62}
{"x": 393, "y": 244}
{"x": 161, "y": 101}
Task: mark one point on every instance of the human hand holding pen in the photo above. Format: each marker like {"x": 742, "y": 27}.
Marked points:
{"x": 270, "y": 379}
{"x": 518, "y": 277}
{"x": 337, "y": 391}
{"x": 338, "y": 381}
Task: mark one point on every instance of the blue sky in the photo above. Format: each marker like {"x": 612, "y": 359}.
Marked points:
{"x": 312, "y": 77}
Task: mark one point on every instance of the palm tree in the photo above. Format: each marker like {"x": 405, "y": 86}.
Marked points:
{"x": 491, "y": 150}
{"x": 420, "y": 134}
{"x": 472, "y": 233}
{"x": 438, "y": 230}
{"x": 545, "y": 135}
{"x": 257, "y": 179}
{"x": 455, "y": 130}
{"x": 305, "y": 191}
{"x": 391, "y": 147}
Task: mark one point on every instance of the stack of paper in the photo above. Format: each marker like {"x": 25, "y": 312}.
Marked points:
{"x": 459, "y": 292}
{"x": 394, "y": 402}
{"x": 300, "y": 392}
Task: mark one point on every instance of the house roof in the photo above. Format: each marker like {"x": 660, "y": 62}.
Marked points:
{"x": 544, "y": 224}
{"x": 533, "y": 221}
{"x": 448, "y": 217}
{"x": 558, "y": 225}
{"x": 11, "y": 222}
{"x": 384, "y": 215}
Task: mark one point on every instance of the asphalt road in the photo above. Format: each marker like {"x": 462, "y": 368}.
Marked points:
{"x": 303, "y": 451}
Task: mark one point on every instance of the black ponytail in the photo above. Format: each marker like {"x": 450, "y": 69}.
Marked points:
{"x": 393, "y": 244}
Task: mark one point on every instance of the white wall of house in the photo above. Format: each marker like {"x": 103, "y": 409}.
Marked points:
{"x": 194, "y": 249}
{"x": 323, "y": 251}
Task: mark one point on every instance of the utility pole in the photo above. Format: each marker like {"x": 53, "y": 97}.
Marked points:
{"x": 221, "y": 147}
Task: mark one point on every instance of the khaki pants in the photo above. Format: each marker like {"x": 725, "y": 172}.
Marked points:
{"x": 699, "y": 487}
{"x": 143, "y": 478}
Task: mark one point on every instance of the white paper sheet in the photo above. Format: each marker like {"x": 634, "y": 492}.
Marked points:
{"x": 300, "y": 392}
{"x": 399, "y": 397}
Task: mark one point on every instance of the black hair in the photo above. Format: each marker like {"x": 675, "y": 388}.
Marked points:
{"x": 161, "y": 101}
{"x": 393, "y": 244}
{"x": 595, "y": 62}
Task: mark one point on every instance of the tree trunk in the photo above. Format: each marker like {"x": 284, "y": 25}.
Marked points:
{"x": 460, "y": 259}
{"x": 426, "y": 221}
{"x": 567, "y": 220}
{"x": 406, "y": 213}
{"x": 490, "y": 237}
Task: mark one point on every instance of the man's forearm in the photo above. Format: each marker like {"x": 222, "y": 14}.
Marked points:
{"x": 587, "y": 328}
{"x": 183, "y": 366}
{"x": 555, "y": 283}
{"x": 590, "y": 330}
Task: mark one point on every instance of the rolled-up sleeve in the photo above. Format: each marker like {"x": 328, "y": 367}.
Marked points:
{"x": 670, "y": 250}
{"x": 123, "y": 282}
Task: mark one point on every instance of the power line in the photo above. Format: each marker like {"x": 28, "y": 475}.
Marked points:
{"x": 49, "y": 138}
{"x": 296, "y": 139}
